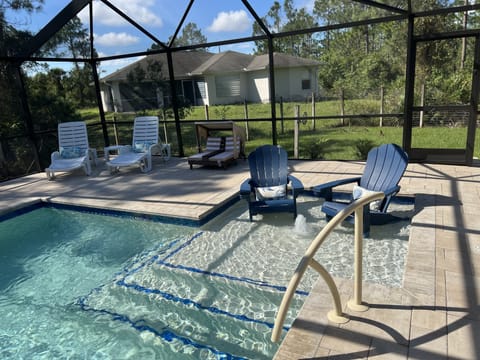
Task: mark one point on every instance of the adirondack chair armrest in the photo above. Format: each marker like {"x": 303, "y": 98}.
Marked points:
{"x": 296, "y": 185}
{"x": 392, "y": 191}
{"x": 325, "y": 190}
{"x": 245, "y": 189}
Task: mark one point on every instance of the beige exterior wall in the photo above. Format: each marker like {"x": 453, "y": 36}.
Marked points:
{"x": 254, "y": 87}
{"x": 288, "y": 83}
{"x": 257, "y": 87}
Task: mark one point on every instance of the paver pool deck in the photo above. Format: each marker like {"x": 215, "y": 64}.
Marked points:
{"x": 434, "y": 315}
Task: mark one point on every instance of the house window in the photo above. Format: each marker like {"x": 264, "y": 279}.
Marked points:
{"x": 306, "y": 84}
{"x": 228, "y": 85}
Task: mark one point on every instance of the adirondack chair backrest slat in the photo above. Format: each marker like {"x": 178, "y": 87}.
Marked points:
{"x": 268, "y": 166}
{"x": 145, "y": 129}
{"x": 384, "y": 168}
{"x": 73, "y": 134}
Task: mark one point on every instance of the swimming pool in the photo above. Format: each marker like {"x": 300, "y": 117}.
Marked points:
{"x": 84, "y": 285}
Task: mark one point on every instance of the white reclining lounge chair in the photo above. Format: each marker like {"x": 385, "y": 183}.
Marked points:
{"x": 74, "y": 151}
{"x": 145, "y": 140}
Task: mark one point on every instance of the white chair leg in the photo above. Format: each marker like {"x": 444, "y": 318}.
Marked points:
{"x": 50, "y": 174}
{"x": 93, "y": 156}
{"x": 87, "y": 168}
{"x": 144, "y": 166}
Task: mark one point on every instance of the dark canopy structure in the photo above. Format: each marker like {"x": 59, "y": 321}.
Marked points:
{"x": 409, "y": 11}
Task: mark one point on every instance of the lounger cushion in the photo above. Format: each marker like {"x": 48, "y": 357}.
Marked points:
{"x": 71, "y": 152}
{"x": 142, "y": 146}
{"x": 270, "y": 192}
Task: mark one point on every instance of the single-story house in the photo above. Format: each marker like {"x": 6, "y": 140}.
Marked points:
{"x": 205, "y": 78}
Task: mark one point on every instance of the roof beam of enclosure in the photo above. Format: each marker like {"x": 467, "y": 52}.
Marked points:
{"x": 271, "y": 69}
{"x": 447, "y": 35}
{"x": 96, "y": 80}
{"x": 382, "y": 6}
{"x": 443, "y": 11}
{"x": 157, "y": 51}
{"x": 134, "y": 23}
{"x": 257, "y": 18}
{"x": 49, "y": 30}
{"x": 409, "y": 87}
{"x": 171, "y": 77}
{"x": 180, "y": 24}
{"x": 341, "y": 26}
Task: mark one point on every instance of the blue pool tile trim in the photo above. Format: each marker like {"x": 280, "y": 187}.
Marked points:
{"x": 122, "y": 213}
{"x": 232, "y": 278}
{"x": 183, "y": 246}
{"x": 167, "y": 219}
{"x": 190, "y": 302}
{"x": 210, "y": 273}
{"x": 164, "y": 333}
{"x": 23, "y": 210}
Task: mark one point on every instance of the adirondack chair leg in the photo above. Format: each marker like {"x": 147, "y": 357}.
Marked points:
{"x": 366, "y": 221}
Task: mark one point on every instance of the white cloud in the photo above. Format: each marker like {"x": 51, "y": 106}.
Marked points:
{"x": 232, "y": 21}
{"x": 307, "y": 4}
{"x": 141, "y": 11}
{"x": 115, "y": 39}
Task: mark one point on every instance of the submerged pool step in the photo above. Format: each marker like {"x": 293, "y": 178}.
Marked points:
{"x": 209, "y": 310}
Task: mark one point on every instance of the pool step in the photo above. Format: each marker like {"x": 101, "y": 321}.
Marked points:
{"x": 209, "y": 310}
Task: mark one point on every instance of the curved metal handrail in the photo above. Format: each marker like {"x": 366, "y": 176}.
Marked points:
{"x": 335, "y": 315}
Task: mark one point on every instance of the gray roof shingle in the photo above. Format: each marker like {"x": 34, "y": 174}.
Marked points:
{"x": 188, "y": 63}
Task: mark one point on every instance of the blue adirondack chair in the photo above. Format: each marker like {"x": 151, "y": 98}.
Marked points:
{"x": 384, "y": 168}
{"x": 266, "y": 189}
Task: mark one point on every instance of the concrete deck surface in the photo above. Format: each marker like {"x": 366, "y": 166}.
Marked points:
{"x": 435, "y": 315}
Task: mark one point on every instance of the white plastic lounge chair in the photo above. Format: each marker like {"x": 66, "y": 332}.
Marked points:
{"x": 213, "y": 146}
{"x": 74, "y": 151}
{"x": 229, "y": 155}
{"x": 145, "y": 139}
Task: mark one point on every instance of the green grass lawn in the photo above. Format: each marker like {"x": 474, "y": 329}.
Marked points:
{"x": 326, "y": 139}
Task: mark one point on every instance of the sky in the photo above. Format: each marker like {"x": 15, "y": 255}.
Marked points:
{"x": 217, "y": 19}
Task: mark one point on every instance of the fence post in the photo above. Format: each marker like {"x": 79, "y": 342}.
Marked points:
{"x": 422, "y": 103}
{"x": 342, "y": 106}
{"x": 296, "y": 131}
{"x": 207, "y": 117}
{"x": 245, "y": 110}
{"x": 165, "y": 131}
{"x": 382, "y": 90}
{"x": 281, "y": 115}
{"x": 115, "y": 131}
{"x": 313, "y": 111}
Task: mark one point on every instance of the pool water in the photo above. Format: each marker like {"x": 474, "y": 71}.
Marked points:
{"x": 83, "y": 285}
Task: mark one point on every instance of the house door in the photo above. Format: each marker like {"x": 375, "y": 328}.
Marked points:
{"x": 445, "y": 100}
